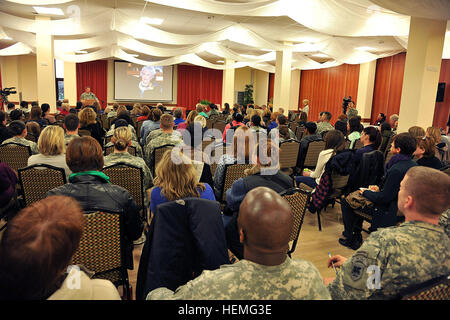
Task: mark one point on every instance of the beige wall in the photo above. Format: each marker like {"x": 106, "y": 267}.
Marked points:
{"x": 261, "y": 87}
{"x": 20, "y": 72}
{"x": 242, "y": 76}
{"x": 295, "y": 90}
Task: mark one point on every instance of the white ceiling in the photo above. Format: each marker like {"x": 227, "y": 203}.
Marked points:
{"x": 276, "y": 29}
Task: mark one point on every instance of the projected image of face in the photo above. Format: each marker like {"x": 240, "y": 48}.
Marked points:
{"x": 147, "y": 74}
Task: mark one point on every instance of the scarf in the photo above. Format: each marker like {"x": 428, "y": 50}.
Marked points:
{"x": 90, "y": 173}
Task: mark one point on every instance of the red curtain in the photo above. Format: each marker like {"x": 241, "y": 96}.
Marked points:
{"x": 197, "y": 83}
{"x": 93, "y": 74}
{"x": 387, "y": 91}
{"x": 325, "y": 89}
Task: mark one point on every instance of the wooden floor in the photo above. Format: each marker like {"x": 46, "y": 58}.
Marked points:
{"x": 313, "y": 245}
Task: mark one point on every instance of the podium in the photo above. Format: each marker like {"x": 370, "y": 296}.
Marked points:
{"x": 88, "y": 102}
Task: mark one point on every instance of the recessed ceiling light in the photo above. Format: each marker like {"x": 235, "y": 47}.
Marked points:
{"x": 51, "y": 11}
{"x": 365, "y": 48}
{"x": 81, "y": 51}
{"x": 134, "y": 55}
{"x": 154, "y": 21}
{"x": 220, "y": 61}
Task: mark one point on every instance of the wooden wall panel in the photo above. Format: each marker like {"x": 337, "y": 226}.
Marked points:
{"x": 381, "y": 87}
{"x": 325, "y": 89}
{"x": 442, "y": 109}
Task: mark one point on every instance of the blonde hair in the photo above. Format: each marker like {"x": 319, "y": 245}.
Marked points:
{"x": 250, "y": 113}
{"x": 200, "y": 119}
{"x": 65, "y": 106}
{"x": 121, "y": 138}
{"x": 87, "y": 116}
{"x": 191, "y": 116}
{"x": 136, "y": 108}
{"x": 121, "y": 108}
{"x": 177, "y": 180}
{"x": 434, "y": 133}
{"x": 51, "y": 141}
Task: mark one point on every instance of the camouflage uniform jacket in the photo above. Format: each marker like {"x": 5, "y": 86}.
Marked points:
{"x": 351, "y": 112}
{"x": 246, "y": 280}
{"x": 69, "y": 137}
{"x": 409, "y": 254}
{"x": 161, "y": 140}
{"x": 133, "y": 144}
{"x": 323, "y": 126}
{"x": 444, "y": 221}
{"x": 24, "y": 142}
{"x": 88, "y": 96}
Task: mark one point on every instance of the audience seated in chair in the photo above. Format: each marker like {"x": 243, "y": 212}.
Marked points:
{"x": 8, "y": 181}
{"x": 192, "y": 148}
{"x": 266, "y": 272}
{"x": 334, "y": 141}
{"x": 425, "y": 153}
{"x": 353, "y": 128}
{"x": 52, "y": 148}
{"x": 16, "y": 114}
{"x": 402, "y": 256}
{"x": 324, "y": 122}
{"x": 176, "y": 178}
{"x": 122, "y": 141}
{"x": 242, "y": 146}
{"x": 36, "y": 115}
{"x": 235, "y": 123}
{"x": 265, "y": 173}
{"x": 93, "y": 191}
{"x": 384, "y": 198}
{"x": 4, "y": 132}
{"x": 121, "y": 123}
{"x": 167, "y": 136}
{"x": 45, "y": 107}
{"x": 256, "y": 125}
{"x": 88, "y": 121}
{"x": 416, "y": 132}
{"x": 386, "y": 134}
{"x": 18, "y": 131}
{"x": 34, "y": 266}
{"x": 71, "y": 124}
{"x": 151, "y": 124}
{"x": 178, "y": 114}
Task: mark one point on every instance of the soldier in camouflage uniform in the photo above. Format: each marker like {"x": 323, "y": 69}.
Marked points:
{"x": 396, "y": 258}
{"x": 71, "y": 124}
{"x": 167, "y": 136}
{"x": 19, "y": 130}
{"x": 122, "y": 140}
{"x": 444, "y": 222}
{"x": 134, "y": 144}
{"x": 88, "y": 95}
{"x": 266, "y": 272}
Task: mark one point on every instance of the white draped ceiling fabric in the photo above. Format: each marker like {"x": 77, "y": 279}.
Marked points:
{"x": 342, "y": 27}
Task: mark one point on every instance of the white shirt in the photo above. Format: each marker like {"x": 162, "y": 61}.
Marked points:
{"x": 324, "y": 156}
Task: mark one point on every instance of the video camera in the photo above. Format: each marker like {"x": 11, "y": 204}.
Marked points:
{"x": 6, "y": 92}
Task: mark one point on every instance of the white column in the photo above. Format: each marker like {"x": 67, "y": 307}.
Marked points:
{"x": 46, "y": 87}
{"x": 282, "y": 85}
{"x": 366, "y": 84}
{"x": 421, "y": 77}
{"x": 228, "y": 84}
{"x": 70, "y": 82}
{"x": 295, "y": 91}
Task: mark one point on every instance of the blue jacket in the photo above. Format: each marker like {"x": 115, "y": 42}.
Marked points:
{"x": 185, "y": 237}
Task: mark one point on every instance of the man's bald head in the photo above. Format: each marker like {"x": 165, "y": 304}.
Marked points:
{"x": 265, "y": 221}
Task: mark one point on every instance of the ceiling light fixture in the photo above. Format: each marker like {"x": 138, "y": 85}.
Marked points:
{"x": 134, "y": 55}
{"x": 320, "y": 55}
{"x": 81, "y": 51}
{"x": 220, "y": 61}
{"x": 49, "y": 11}
{"x": 154, "y": 21}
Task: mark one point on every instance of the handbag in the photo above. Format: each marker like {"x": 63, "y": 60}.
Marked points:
{"x": 357, "y": 201}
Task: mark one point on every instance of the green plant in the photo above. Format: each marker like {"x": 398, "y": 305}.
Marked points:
{"x": 205, "y": 102}
{"x": 248, "y": 94}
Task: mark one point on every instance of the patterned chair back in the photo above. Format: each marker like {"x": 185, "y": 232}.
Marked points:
{"x": 288, "y": 154}
{"x": 293, "y": 125}
{"x": 158, "y": 153}
{"x": 358, "y": 145}
{"x": 100, "y": 248}
{"x": 220, "y": 125}
{"x": 434, "y": 289}
{"x": 339, "y": 184}
{"x": 138, "y": 128}
{"x": 312, "y": 154}
{"x": 299, "y": 131}
{"x": 298, "y": 200}
{"x": 232, "y": 173}
{"x": 128, "y": 177}
{"x": 36, "y": 180}
{"x": 15, "y": 155}
{"x": 83, "y": 133}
